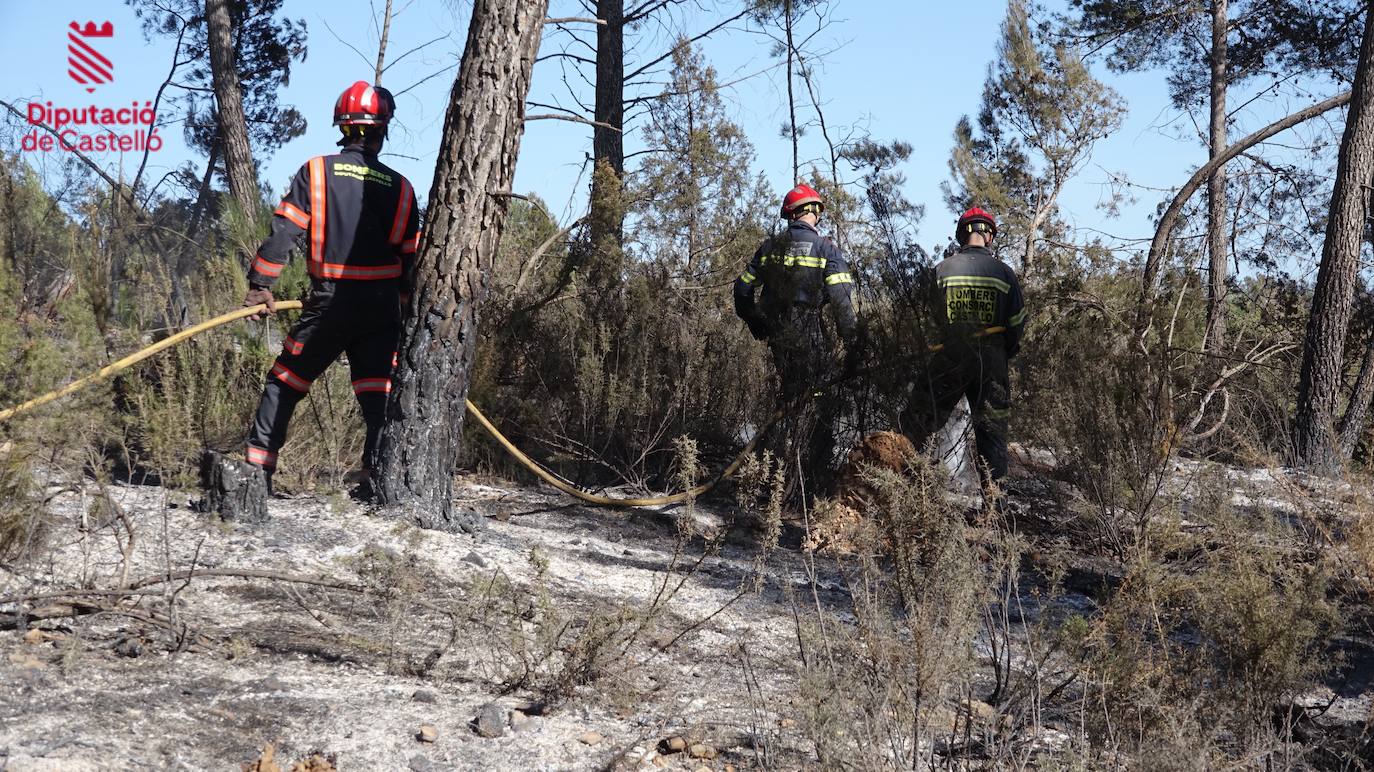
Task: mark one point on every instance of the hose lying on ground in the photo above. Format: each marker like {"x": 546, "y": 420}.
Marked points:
{"x": 529, "y": 463}
{"x": 525, "y": 461}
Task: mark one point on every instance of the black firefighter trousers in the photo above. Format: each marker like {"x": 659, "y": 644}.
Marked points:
{"x": 359, "y": 318}
{"x": 976, "y": 370}
{"x": 804, "y": 357}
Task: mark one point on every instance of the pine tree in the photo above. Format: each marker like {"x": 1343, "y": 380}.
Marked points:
{"x": 1041, "y": 114}
{"x": 470, "y": 194}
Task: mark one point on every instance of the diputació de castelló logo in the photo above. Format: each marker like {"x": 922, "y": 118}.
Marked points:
{"x": 85, "y": 64}
{"x": 91, "y": 128}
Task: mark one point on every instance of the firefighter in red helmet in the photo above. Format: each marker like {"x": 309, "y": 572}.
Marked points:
{"x": 799, "y": 272}
{"x": 361, "y": 228}
{"x": 980, "y": 315}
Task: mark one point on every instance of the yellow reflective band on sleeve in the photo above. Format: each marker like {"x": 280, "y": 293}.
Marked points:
{"x": 748, "y": 278}
{"x": 796, "y": 261}
{"x": 975, "y": 281}
{"x": 839, "y": 278}
{"x": 1018, "y": 319}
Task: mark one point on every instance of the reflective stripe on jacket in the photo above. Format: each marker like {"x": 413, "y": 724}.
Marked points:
{"x": 973, "y": 291}
{"x": 361, "y": 219}
{"x": 797, "y": 267}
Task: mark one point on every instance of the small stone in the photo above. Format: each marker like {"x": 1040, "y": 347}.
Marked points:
{"x": 660, "y": 761}
{"x": 475, "y": 559}
{"x": 674, "y": 744}
{"x": 731, "y": 768}
{"x": 419, "y": 763}
{"x": 427, "y": 733}
{"x": 981, "y": 711}
{"x": 272, "y": 684}
{"x": 701, "y": 751}
{"x": 490, "y": 721}
{"x": 128, "y": 647}
{"x": 425, "y": 696}
{"x": 37, "y": 636}
{"x": 590, "y": 738}
{"x": 702, "y": 768}
{"x": 787, "y": 723}
{"x": 25, "y": 661}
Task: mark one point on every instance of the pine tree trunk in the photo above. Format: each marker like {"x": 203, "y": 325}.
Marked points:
{"x": 232, "y": 124}
{"x": 467, "y": 212}
{"x": 1357, "y": 414}
{"x": 1315, "y": 444}
{"x": 607, "y": 223}
{"x": 1215, "y": 335}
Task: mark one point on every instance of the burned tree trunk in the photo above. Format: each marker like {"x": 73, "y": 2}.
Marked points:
{"x": 467, "y": 212}
{"x": 229, "y": 116}
{"x": 1315, "y": 439}
{"x": 607, "y": 221}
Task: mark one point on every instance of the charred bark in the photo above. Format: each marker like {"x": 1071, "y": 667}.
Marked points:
{"x": 230, "y": 119}
{"x": 468, "y": 202}
{"x": 1315, "y": 441}
{"x": 606, "y": 226}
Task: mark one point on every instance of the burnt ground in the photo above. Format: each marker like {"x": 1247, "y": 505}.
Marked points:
{"x": 203, "y": 673}
{"x": 425, "y": 628}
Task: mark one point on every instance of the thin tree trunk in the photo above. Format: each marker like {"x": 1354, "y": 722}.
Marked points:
{"x": 1044, "y": 205}
{"x": 791, "y": 100}
{"x": 1357, "y": 413}
{"x": 468, "y": 202}
{"x": 232, "y": 124}
{"x": 1215, "y": 336}
{"x": 606, "y": 227}
{"x": 184, "y": 266}
{"x": 1315, "y": 443}
{"x": 381, "y": 44}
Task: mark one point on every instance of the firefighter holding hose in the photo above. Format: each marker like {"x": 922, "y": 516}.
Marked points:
{"x": 362, "y": 227}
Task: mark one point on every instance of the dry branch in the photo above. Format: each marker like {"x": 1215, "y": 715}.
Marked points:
{"x": 1169, "y": 221}
{"x": 572, "y": 118}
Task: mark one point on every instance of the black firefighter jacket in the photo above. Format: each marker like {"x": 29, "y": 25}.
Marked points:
{"x": 360, "y": 215}
{"x": 798, "y": 267}
{"x": 974, "y": 291}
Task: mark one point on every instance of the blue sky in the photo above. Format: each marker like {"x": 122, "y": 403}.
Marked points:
{"x": 904, "y": 70}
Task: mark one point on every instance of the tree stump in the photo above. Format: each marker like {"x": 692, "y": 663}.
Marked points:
{"x": 234, "y": 489}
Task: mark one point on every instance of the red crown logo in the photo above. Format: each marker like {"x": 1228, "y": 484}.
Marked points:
{"x": 86, "y": 65}
{"x": 105, "y": 30}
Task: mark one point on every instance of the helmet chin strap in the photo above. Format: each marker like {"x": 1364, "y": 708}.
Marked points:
{"x": 354, "y": 134}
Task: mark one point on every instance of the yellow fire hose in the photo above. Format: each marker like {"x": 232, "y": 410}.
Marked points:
{"x": 139, "y": 356}
{"x": 516, "y": 453}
